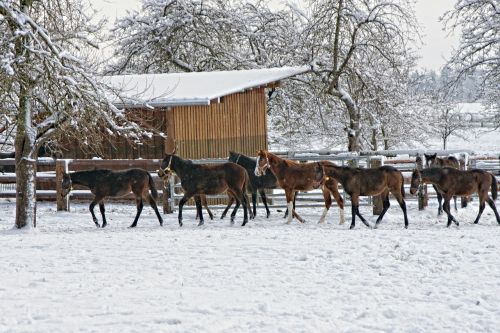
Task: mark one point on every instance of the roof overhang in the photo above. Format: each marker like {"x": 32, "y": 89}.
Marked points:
{"x": 195, "y": 88}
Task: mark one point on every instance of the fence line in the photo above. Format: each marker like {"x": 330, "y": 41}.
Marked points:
{"x": 48, "y": 177}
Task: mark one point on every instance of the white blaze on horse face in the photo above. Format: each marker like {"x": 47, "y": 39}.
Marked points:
{"x": 257, "y": 169}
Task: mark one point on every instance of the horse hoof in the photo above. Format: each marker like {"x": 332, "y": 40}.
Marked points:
{"x": 180, "y": 224}
{"x": 201, "y": 223}
{"x": 375, "y": 226}
{"x": 352, "y": 226}
{"x": 406, "y": 227}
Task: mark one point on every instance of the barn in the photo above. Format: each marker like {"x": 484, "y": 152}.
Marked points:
{"x": 205, "y": 114}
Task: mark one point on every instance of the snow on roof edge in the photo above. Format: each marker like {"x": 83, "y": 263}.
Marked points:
{"x": 194, "y": 88}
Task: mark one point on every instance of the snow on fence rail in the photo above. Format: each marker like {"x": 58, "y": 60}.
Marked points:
{"x": 50, "y": 171}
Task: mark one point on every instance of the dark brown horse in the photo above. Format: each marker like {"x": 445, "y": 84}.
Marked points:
{"x": 370, "y": 182}
{"x": 107, "y": 183}
{"x": 450, "y": 182}
{"x": 207, "y": 179}
{"x": 293, "y": 177}
{"x": 432, "y": 161}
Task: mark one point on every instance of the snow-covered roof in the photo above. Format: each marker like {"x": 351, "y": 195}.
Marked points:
{"x": 195, "y": 88}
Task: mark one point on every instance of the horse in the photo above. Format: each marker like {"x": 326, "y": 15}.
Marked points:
{"x": 207, "y": 179}
{"x": 293, "y": 177}
{"x": 432, "y": 161}
{"x": 450, "y": 182}
{"x": 257, "y": 184}
{"x": 108, "y": 183}
{"x": 370, "y": 182}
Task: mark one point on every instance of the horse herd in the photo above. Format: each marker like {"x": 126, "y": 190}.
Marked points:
{"x": 268, "y": 171}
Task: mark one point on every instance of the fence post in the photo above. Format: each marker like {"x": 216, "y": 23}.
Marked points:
{"x": 377, "y": 202}
{"x": 62, "y": 201}
{"x": 168, "y": 199}
{"x": 423, "y": 197}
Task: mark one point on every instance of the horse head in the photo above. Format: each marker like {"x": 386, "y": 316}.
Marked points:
{"x": 165, "y": 170}
{"x": 262, "y": 163}
{"x": 430, "y": 160}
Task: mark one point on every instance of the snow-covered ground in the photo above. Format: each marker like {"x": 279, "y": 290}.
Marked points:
{"x": 68, "y": 276}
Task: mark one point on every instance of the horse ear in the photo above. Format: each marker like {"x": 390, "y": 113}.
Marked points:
{"x": 434, "y": 155}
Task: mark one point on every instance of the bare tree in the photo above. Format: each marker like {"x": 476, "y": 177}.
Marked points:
{"x": 343, "y": 31}
{"x": 48, "y": 90}
{"x": 478, "y": 51}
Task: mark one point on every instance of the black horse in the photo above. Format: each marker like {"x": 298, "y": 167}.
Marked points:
{"x": 257, "y": 184}
{"x": 451, "y": 182}
{"x": 432, "y": 161}
{"x": 107, "y": 183}
{"x": 207, "y": 179}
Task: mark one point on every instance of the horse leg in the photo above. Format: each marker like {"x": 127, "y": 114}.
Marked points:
{"x": 286, "y": 211}
{"x": 91, "y": 208}
{"x": 152, "y": 203}
{"x": 229, "y": 204}
{"x": 199, "y": 209}
{"x": 102, "y": 209}
{"x": 340, "y": 202}
{"x": 246, "y": 208}
{"x": 140, "y": 205}
{"x": 254, "y": 203}
{"x": 482, "y": 204}
{"x": 205, "y": 204}
{"x": 446, "y": 208}
{"x": 290, "y": 195}
{"x": 440, "y": 199}
{"x": 455, "y": 201}
{"x": 182, "y": 202}
{"x": 236, "y": 207}
{"x": 386, "y": 205}
{"x": 328, "y": 203}
{"x": 264, "y": 201}
{"x": 491, "y": 203}
{"x": 355, "y": 203}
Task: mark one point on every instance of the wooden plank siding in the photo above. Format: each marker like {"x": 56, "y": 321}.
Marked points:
{"x": 238, "y": 122}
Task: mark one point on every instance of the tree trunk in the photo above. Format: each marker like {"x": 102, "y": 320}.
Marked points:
{"x": 25, "y": 164}
{"x": 353, "y": 131}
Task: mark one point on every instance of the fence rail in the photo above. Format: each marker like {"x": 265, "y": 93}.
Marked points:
{"x": 50, "y": 174}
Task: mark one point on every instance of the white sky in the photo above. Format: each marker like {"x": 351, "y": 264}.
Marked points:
{"x": 437, "y": 43}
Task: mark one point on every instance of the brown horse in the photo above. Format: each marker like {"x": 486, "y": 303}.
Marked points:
{"x": 370, "y": 182}
{"x": 206, "y": 179}
{"x": 107, "y": 183}
{"x": 450, "y": 182}
{"x": 432, "y": 161}
{"x": 293, "y": 177}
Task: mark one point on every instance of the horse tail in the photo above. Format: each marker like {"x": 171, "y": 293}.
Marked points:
{"x": 152, "y": 187}
{"x": 494, "y": 187}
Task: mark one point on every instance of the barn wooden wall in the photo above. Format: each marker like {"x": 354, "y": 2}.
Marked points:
{"x": 121, "y": 148}
{"x": 238, "y": 122}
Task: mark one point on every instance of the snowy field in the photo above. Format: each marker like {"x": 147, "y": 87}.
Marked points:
{"x": 68, "y": 276}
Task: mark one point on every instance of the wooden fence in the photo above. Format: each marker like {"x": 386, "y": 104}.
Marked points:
{"x": 50, "y": 172}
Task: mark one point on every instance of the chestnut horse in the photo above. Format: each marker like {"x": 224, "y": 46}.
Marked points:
{"x": 370, "y": 182}
{"x": 432, "y": 161}
{"x": 450, "y": 182}
{"x": 107, "y": 183}
{"x": 293, "y": 177}
{"x": 206, "y": 179}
